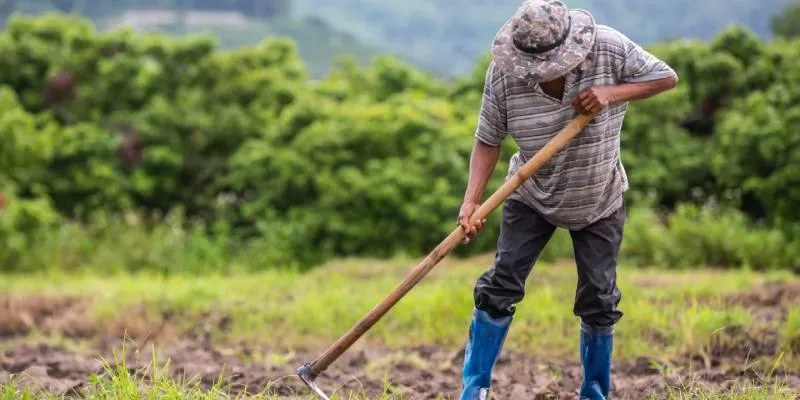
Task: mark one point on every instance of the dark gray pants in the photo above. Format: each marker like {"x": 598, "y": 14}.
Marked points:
{"x": 523, "y": 235}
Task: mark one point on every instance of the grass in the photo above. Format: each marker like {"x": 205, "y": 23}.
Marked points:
{"x": 668, "y": 313}
{"x": 737, "y": 393}
{"x": 120, "y": 383}
{"x": 671, "y": 310}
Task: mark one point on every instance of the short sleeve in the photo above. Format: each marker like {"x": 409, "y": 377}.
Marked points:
{"x": 638, "y": 65}
{"x": 491, "y": 127}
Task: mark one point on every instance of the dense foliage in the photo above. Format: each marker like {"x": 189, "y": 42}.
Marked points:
{"x": 785, "y": 24}
{"x": 241, "y": 146}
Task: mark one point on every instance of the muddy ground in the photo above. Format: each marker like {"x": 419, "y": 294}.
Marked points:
{"x": 414, "y": 373}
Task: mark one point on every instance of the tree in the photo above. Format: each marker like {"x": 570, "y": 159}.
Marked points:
{"x": 787, "y": 22}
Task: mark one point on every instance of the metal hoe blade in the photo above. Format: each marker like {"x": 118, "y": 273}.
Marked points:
{"x": 307, "y": 377}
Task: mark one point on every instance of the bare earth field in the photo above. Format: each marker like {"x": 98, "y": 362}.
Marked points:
{"x": 53, "y": 343}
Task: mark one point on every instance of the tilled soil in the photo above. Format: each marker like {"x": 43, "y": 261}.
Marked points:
{"x": 412, "y": 373}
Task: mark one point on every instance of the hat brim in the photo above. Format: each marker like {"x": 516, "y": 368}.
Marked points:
{"x": 552, "y": 64}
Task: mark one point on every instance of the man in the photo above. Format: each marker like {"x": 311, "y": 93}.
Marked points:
{"x": 550, "y": 62}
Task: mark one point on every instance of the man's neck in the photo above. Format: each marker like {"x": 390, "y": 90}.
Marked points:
{"x": 554, "y": 88}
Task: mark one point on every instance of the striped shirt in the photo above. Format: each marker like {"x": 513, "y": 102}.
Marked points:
{"x": 585, "y": 181}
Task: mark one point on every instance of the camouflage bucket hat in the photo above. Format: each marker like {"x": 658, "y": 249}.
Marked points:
{"x": 544, "y": 40}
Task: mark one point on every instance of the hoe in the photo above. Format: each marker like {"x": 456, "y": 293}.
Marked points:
{"x": 310, "y": 371}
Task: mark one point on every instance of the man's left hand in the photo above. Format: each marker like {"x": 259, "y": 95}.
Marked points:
{"x": 594, "y": 99}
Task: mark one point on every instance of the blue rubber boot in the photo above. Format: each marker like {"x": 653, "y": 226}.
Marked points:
{"x": 486, "y": 337}
{"x": 596, "y": 347}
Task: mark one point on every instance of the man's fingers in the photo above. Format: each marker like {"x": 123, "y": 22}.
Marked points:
{"x": 588, "y": 103}
{"x": 576, "y": 102}
{"x": 584, "y": 103}
{"x": 468, "y": 238}
{"x": 593, "y": 107}
{"x": 472, "y": 231}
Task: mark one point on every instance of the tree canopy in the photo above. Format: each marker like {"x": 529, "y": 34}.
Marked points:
{"x": 367, "y": 161}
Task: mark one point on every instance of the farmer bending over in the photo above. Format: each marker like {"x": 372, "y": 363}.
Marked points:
{"x": 550, "y": 62}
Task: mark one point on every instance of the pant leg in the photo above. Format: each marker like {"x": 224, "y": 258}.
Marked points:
{"x": 596, "y": 250}
{"x": 523, "y": 235}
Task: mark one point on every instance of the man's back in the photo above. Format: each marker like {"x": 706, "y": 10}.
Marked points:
{"x": 586, "y": 180}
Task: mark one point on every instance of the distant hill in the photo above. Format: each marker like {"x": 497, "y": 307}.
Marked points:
{"x": 319, "y": 44}
{"x": 450, "y": 35}
{"x": 444, "y": 37}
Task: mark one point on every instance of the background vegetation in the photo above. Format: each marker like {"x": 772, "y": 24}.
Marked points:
{"x": 107, "y": 135}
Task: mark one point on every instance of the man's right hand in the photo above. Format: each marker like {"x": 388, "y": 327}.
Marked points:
{"x": 467, "y": 209}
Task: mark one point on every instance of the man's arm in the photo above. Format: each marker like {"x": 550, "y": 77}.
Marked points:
{"x": 489, "y": 136}
{"x": 481, "y": 166}
{"x": 640, "y": 75}
{"x": 596, "y": 98}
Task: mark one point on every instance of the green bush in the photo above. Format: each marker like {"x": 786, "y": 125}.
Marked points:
{"x": 712, "y": 236}
{"x": 255, "y": 157}
{"x": 21, "y": 221}
{"x": 172, "y": 243}
{"x": 131, "y": 242}
{"x": 693, "y": 236}
{"x": 759, "y": 154}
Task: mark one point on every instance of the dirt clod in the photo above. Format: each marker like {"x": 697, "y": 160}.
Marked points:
{"x": 771, "y": 295}
{"x": 20, "y": 315}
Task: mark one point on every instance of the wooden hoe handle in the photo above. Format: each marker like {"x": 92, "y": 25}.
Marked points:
{"x": 555, "y": 144}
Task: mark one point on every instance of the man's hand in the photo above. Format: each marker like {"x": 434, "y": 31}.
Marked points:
{"x": 467, "y": 209}
{"x": 594, "y": 99}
